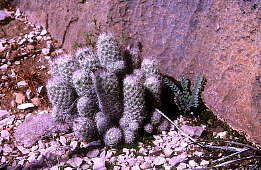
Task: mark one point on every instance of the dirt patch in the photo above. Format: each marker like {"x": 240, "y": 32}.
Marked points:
{"x": 13, "y": 29}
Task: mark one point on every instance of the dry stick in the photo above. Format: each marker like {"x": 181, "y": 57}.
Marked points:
{"x": 229, "y": 156}
{"x": 241, "y": 144}
{"x": 227, "y": 148}
{"x": 232, "y": 161}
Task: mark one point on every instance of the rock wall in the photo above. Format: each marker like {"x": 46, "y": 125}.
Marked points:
{"x": 218, "y": 38}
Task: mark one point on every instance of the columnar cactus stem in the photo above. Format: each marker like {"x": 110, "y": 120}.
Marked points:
{"x": 153, "y": 85}
{"x": 87, "y": 107}
{"x": 83, "y": 85}
{"x": 150, "y": 67}
{"x": 103, "y": 123}
{"x": 60, "y": 93}
{"x": 64, "y": 66}
{"x": 107, "y": 90}
{"x": 134, "y": 104}
{"x": 85, "y": 127}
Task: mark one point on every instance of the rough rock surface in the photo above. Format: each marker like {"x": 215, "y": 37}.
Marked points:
{"x": 220, "y": 39}
{"x": 36, "y": 127}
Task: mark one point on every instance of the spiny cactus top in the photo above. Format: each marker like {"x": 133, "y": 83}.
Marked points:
{"x": 150, "y": 66}
{"x": 82, "y": 53}
{"x": 64, "y": 66}
{"x": 108, "y": 50}
{"x": 153, "y": 85}
{"x": 135, "y": 59}
{"x": 113, "y": 137}
{"x": 88, "y": 61}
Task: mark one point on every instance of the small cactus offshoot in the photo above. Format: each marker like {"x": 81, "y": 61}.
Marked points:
{"x": 187, "y": 100}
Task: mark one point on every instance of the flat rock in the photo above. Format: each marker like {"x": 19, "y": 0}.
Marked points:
{"x": 177, "y": 159}
{"x": 194, "y": 131}
{"x": 37, "y": 127}
{"x": 4, "y": 114}
{"x": 4, "y": 15}
{"x": 25, "y": 106}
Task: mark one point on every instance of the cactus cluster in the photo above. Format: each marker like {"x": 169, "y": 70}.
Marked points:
{"x": 106, "y": 98}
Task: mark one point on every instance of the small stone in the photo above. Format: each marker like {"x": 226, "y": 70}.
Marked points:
{"x": 4, "y": 114}
{"x": 41, "y": 144}
{"x": 136, "y": 167}
{"x": 204, "y": 163}
{"x": 192, "y": 163}
{"x": 194, "y": 131}
{"x": 34, "y": 148}
{"x": 39, "y": 37}
{"x": 182, "y": 166}
{"x": 93, "y": 153}
{"x": 30, "y": 47}
{"x": 99, "y": 164}
{"x": 5, "y": 134}
{"x": 43, "y": 32}
{"x": 126, "y": 151}
{"x": 32, "y": 158}
{"x": 63, "y": 140}
{"x": 75, "y": 162}
{"x": 85, "y": 166}
{"x": 199, "y": 154}
{"x": 7, "y": 148}
{"x": 21, "y": 162}
{"x": 168, "y": 151}
{"x": 159, "y": 160}
{"x": 3, "y": 159}
{"x": 25, "y": 106}
{"x": 4, "y": 14}
{"x": 23, "y": 150}
{"x": 74, "y": 144}
{"x": 29, "y": 94}
{"x": 145, "y": 165}
{"x": 177, "y": 159}
{"x": 22, "y": 84}
{"x": 4, "y": 67}
{"x": 131, "y": 161}
{"x": 18, "y": 12}
{"x": 19, "y": 98}
{"x": 222, "y": 135}
{"x": 45, "y": 51}
{"x": 17, "y": 62}
{"x": 183, "y": 144}
{"x": 36, "y": 101}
